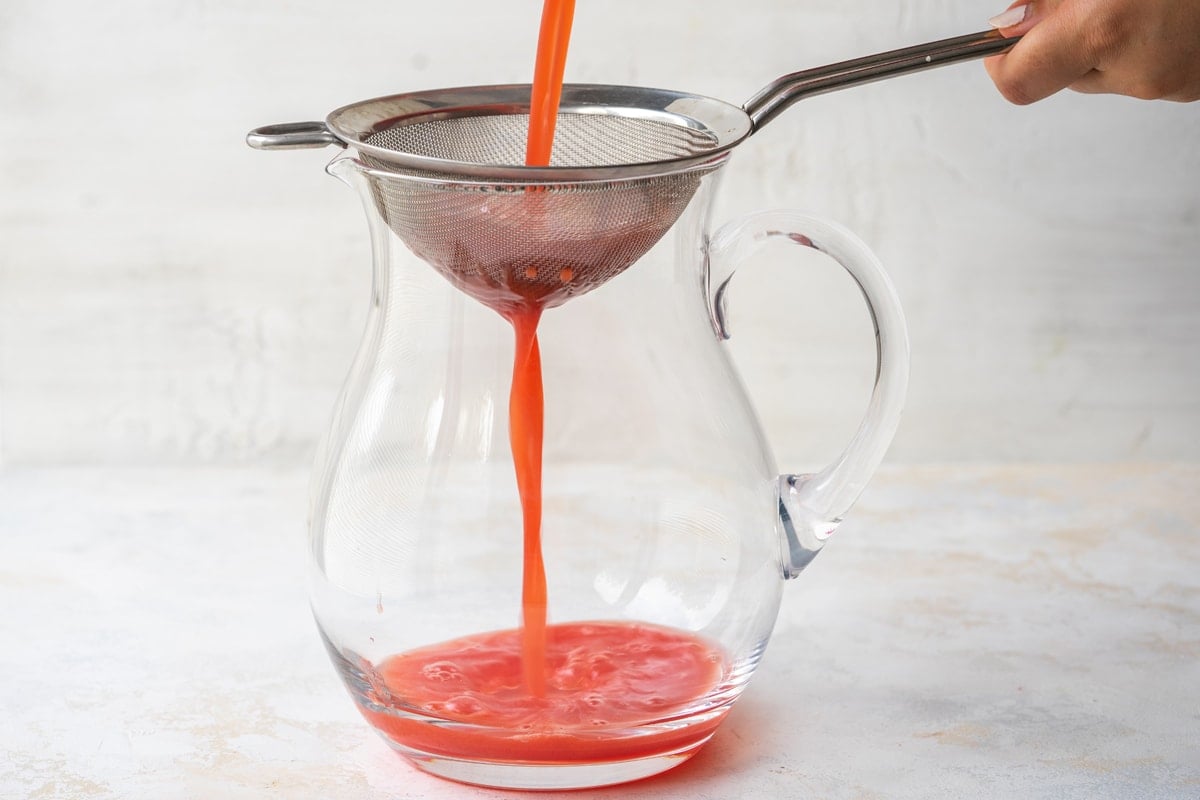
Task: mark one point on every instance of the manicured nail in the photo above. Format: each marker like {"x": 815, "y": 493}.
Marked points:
{"x": 1013, "y": 16}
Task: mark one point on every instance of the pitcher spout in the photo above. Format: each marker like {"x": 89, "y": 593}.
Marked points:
{"x": 344, "y": 168}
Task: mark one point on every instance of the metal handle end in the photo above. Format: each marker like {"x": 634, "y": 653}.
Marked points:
{"x": 292, "y": 136}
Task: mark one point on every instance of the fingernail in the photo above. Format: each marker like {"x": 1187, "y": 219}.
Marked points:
{"x": 1014, "y": 16}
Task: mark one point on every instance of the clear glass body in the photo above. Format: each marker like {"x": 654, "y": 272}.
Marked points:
{"x": 661, "y": 501}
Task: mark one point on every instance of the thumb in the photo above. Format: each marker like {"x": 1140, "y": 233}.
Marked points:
{"x": 1052, "y": 54}
{"x": 1019, "y": 18}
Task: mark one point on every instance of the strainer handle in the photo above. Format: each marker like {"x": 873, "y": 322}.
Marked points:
{"x": 783, "y": 92}
{"x": 812, "y": 506}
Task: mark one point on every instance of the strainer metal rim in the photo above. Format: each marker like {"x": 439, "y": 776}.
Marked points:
{"x": 559, "y": 177}
{"x": 727, "y": 124}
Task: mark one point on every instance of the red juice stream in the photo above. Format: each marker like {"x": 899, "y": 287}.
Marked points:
{"x": 526, "y": 406}
{"x": 553, "y": 38}
{"x": 525, "y": 423}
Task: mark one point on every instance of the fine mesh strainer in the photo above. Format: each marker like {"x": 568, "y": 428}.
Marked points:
{"x": 510, "y": 239}
{"x": 448, "y": 176}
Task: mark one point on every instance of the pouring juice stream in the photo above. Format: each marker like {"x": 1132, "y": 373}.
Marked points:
{"x": 526, "y": 404}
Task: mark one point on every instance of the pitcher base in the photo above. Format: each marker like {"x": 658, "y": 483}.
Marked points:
{"x": 547, "y": 776}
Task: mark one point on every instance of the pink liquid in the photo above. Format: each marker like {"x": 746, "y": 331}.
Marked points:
{"x": 600, "y": 680}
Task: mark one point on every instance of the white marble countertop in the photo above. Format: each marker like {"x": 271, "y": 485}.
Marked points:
{"x": 972, "y": 632}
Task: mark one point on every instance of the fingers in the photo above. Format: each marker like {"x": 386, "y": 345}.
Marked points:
{"x": 1058, "y": 50}
{"x": 1148, "y": 49}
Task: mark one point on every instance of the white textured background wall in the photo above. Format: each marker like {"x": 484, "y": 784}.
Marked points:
{"x": 168, "y": 295}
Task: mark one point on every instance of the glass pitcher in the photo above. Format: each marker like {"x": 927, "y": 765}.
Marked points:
{"x": 608, "y": 645}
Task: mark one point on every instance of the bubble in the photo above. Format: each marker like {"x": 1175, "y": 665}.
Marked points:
{"x": 463, "y": 706}
{"x": 441, "y": 671}
{"x": 600, "y": 665}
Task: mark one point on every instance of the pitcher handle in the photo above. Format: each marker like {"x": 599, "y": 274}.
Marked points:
{"x": 811, "y": 506}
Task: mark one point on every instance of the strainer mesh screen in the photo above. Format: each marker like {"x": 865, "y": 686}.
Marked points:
{"x": 511, "y": 244}
{"x": 580, "y": 140}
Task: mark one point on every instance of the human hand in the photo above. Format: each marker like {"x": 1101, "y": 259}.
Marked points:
{"x": 1148, "y": 49}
